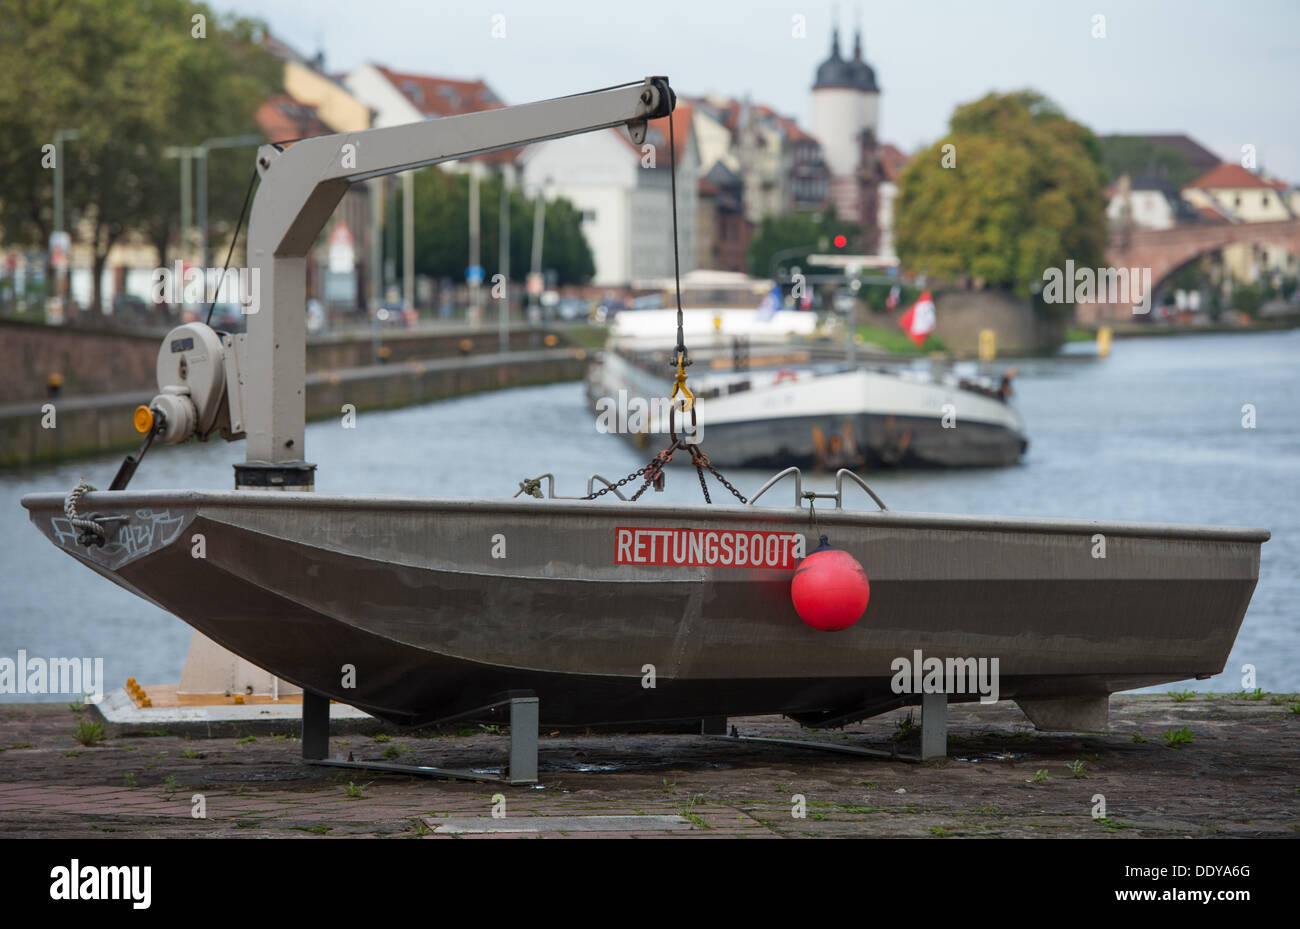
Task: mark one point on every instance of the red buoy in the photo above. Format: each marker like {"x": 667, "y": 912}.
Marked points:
{"x": 830, "y": 590}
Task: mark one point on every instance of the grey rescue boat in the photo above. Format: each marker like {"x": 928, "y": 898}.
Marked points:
{"x": 439, "y": 604}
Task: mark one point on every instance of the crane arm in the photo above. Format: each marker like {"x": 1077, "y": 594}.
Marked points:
{"x": 265, "y": 370}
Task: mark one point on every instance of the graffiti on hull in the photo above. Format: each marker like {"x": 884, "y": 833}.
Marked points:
{"x": 145, "y": 531}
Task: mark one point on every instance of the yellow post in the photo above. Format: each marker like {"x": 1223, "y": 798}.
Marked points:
{"x": 988, "y": 345}
{"x": 1103, "y": 341}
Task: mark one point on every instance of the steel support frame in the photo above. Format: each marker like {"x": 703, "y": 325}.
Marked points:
{"x": 934, "y": 735}
{"x": 521, "y": 768}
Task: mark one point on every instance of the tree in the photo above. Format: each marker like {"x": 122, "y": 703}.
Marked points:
{"x": 442, "y": 230}
{"x": 1248, "y": 298}
{"x": 794, "y": 236}
{"x": 1023, "y": 192}
{"x": 1135, "y": 156}
{"x": 132, "y": 78}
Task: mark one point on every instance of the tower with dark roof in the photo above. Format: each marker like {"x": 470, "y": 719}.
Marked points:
{"x": 846, "y": 102}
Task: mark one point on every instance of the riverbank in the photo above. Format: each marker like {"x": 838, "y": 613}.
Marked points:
{"x": 1232, "y": 776}
{"x": 1145, "y": 330}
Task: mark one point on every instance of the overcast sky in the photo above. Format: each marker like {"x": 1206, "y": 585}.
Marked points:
{"x": 1225, "y": 73}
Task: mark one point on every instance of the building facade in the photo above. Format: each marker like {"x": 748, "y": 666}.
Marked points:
{"x": 622, "y": 191}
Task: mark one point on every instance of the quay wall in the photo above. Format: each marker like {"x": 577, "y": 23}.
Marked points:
{"x": 98, "y": 361}
{"x": 92, "y": 425}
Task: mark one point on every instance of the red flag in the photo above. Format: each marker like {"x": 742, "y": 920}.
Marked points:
{"x": 918, "y": 321}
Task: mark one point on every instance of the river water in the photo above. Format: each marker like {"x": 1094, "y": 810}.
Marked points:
{"x": 1152, "y": 434}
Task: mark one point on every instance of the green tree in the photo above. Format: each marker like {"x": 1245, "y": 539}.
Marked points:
{"x": 1248, "y": 298}
{"x": 1024, "y": 192}
{"x": 1135, "y": 156}
{"x": 790, "y": 238}
{"x": 442, "y": 230}
{"x": 132, "y": 77}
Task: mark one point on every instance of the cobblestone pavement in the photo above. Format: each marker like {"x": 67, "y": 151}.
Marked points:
{"x": 1238, "y": 776}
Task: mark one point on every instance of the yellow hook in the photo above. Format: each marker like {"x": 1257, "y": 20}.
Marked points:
{"x": 679, "y": 385}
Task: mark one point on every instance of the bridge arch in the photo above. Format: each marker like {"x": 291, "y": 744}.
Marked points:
{"x": 1164, "y": 251}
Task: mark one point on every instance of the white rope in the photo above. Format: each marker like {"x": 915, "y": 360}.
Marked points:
{"x": 88, "y": 527}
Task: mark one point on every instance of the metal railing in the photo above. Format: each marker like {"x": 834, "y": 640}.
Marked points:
{"x": 800, "y": 495}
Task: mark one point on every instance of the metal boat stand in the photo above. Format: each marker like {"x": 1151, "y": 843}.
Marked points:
{"x": 521, "y": 764}
{"x": 934, "y": 735}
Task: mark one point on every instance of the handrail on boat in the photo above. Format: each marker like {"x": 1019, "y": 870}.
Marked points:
{"x": 532, "y": 487}
{"x": 800, "y": 495}
{"x": 839, "y": 488}
{"x": 798, "y": 486}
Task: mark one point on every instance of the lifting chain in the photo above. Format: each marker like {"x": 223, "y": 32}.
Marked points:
{"x": 653, "y": 473}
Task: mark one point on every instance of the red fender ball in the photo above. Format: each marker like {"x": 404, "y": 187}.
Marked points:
{"x": 830, "y": 590}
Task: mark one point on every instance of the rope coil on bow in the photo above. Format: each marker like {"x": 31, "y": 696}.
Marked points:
{"x": 92, "y": 533}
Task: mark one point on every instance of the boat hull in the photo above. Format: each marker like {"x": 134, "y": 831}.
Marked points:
{"x": 416, "y": 610}
{"x": 862, "y": 419}
{"x": 864, "y": 441}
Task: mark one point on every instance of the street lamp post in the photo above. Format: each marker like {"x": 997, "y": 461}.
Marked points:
{"x": 186, "y": 153}
{"x": 408, "y": 242}
{"x": 503, "y": 318}
{"x": 474, "y": 316}
{"x": 539, "y": 227}
{"x": 207, "y": 145}
{"x": 798, "y": 250}
{"x": 61, "y": 136}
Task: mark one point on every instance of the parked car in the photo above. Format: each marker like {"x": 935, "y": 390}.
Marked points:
{"x": 392, "y": 314}
{"x": 226, "y": 317}
{"x": 573, "y": 309}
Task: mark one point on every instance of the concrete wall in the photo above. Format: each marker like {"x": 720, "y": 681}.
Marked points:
{"x": 1020, "y": 330}
{"x": 95, "y": 363}
{"x": 91, "y": 425}
{"x": 91, "y": 362}
{"x": 328, "y": 353}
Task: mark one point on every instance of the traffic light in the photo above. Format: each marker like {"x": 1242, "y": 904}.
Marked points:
{"x": 840, "y": 241}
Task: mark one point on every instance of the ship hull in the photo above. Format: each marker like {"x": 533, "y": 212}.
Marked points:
{"x": 860, "y": 419}
{"x": 416, "y": 610}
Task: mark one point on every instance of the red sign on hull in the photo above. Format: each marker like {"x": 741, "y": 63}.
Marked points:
{"x": 778, "y": 551}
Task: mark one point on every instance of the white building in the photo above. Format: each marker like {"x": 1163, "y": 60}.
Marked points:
{"x": 398, "y": 98}
{"x": 622, "y": 192}
{"x": 1145, "y": 202}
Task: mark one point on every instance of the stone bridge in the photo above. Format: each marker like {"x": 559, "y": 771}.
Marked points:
{"x": 1164, "y": 251}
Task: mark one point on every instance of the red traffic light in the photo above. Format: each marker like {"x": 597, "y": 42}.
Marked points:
{"x": 840, "y": 241}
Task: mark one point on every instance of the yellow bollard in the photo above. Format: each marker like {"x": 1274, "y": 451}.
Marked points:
{"x": 1103, "y": 341}
{"x": 988, "y": 345}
